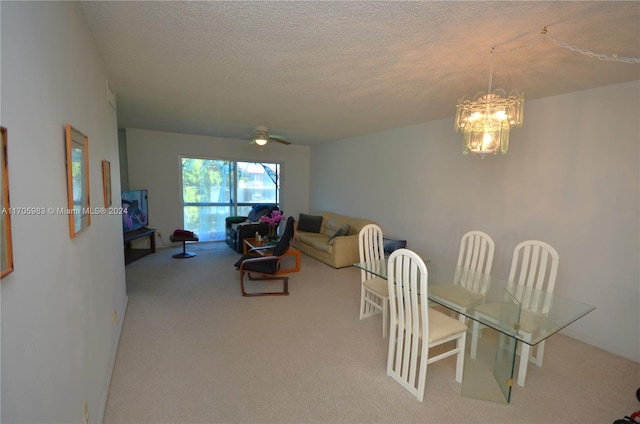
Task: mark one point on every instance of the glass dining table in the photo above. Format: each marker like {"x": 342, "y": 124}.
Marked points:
{"x": 490, "y": 364}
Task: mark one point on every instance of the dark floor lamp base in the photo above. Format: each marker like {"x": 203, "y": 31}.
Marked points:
{"x": 184, "y": 255}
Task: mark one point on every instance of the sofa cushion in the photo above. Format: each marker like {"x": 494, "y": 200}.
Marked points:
{"x": 342, "y": 231}
{"x": 315, "y": 240}
{"x": 309, "y": 223}
{"x": 330, "y": 227}
{"x": 321, "y": 246}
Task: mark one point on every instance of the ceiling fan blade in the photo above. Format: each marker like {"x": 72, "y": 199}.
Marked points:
{"x": 279, "y": 139}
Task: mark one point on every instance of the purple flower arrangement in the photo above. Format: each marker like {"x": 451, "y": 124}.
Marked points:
{"x": 273, "y": 218}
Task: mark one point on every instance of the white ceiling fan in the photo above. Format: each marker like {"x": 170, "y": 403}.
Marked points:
{"x": 263, "y": 136}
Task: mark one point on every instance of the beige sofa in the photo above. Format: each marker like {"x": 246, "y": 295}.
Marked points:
{"x": 342, "y": 250}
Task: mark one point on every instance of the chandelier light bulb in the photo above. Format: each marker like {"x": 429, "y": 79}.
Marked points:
{"x": 486, "y": 119}
{"x": 487, "y": 140}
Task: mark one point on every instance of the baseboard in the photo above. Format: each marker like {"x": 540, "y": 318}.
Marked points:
{"x": 112, "y": 362}
{"x": 607, "y": 347}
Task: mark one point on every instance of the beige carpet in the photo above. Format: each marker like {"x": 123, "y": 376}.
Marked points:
{"x": 193, "y": 350}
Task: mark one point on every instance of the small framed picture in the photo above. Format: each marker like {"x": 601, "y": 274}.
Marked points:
{"x": 77, "y": 180}
{"x": 6, "y": 253}
{"x": 106, "y": 183}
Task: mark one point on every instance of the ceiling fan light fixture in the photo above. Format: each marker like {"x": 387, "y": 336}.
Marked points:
{"x": 263, "y": 136}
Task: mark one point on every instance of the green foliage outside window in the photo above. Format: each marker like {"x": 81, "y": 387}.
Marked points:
{"x": 209, "y": 193}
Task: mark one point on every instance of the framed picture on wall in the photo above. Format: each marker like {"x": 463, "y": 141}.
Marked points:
{"x": 77, "y": 180}
{"x": 106, "y": 183}
{"x": 6, "y": 253}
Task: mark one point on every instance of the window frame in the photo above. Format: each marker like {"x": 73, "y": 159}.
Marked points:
{"x": 234, "y": 205}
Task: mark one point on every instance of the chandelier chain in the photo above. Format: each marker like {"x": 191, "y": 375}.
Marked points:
{"x": 545, "y": 35}
{"x": 588, "y": 53}
{"x": 493, "y": 49}
{"x": 524, "y": 46}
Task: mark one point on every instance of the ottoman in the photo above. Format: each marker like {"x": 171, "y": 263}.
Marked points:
{"x": 184, "y": 239}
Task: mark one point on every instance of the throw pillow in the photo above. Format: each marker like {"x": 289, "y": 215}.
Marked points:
{"x": 309, "y": 223}
{"x": 342, "y": 231}
{"x": 258, "y": 211}
{"x": 330, "y": 226}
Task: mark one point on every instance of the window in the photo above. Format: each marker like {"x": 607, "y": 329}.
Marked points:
{"x": 213, "y": 189}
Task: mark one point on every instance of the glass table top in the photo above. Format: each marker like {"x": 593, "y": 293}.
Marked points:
{"x": 509, "y": 308}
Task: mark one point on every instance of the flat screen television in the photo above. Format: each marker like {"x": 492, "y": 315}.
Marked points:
{"x": 136, "y": 210}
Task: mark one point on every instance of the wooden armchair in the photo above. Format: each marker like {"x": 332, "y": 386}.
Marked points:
{"x": 265, "y": 261}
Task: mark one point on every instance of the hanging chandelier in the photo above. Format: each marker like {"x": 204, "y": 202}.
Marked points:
{"x": 487, "y": 118}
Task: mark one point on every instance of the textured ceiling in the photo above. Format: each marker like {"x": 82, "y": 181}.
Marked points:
{"x": 318, "y": 71}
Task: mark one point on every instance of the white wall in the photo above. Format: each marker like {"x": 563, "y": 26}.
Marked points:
{"x": 58, "y": 338}
{"x": 570, "y": 178}
{"x": 154, "y": 164}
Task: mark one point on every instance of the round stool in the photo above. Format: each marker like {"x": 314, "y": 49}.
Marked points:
{"x": 184, "y": 240}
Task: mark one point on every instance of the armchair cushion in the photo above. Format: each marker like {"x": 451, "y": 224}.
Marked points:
{"x": 242, "y": 224}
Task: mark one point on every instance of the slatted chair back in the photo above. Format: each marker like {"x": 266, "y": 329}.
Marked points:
{"x": 534, "y": 265}
{"x": 476, "y": 255}
{"x": 371, "y": 247}
{"x": 476, "y": 252}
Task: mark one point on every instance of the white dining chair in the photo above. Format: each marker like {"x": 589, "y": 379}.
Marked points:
{"x": 415, "y": 327}
{"x": 533, "y": 272}
{"x": 374, "y": 292}
{"x": 468, "y": 288}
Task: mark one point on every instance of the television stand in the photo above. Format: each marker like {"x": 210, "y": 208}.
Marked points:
{"x": 131, "y": 254}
